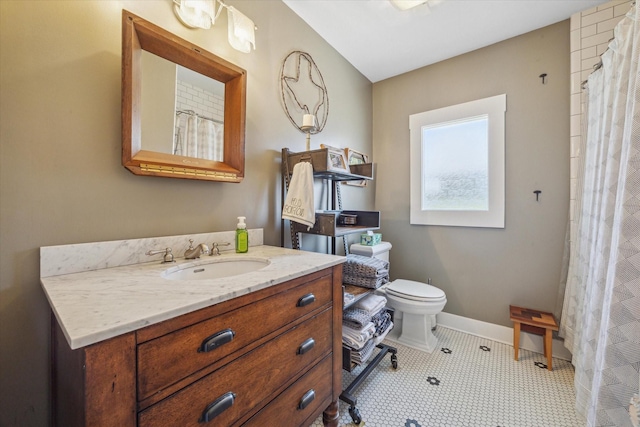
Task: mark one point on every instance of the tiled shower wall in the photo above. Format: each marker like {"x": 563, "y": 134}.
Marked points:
{"x": 204, "y": 103}
{"x": 591, "y": 32}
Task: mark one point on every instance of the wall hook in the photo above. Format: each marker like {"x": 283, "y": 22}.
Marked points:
{"x": 537, "y": 193}
{"x": 542, "y": 76}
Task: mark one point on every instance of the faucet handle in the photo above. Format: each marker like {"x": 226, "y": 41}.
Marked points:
{"x": 215, "y": 250}
{"x": 168, "y": 255}
{"x": 190, "y": 244}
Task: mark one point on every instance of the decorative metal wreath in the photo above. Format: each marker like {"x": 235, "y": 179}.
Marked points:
{"x": 303, "y": 92}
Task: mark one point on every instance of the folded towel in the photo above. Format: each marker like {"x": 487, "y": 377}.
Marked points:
{"x": 358, "y": 265}
{"x": 357, "y": 338}
{"x": 377, "y": 340}
{"x": 365, "y": 282}
{"x": 371, "y": 303}
{"x": 362, "y": 355}
{"x": 355, "y": 318}
{"x": 299, "y": 204}
{"x": 381, "y": 321}
{"x": 348, "y": 298}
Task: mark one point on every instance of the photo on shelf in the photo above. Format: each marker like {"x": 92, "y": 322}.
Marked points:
{"x": 356, "y": 158}
{"x": 336, "y": 159}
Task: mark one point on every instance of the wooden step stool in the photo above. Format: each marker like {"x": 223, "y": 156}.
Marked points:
{"x": 535, "y": 322}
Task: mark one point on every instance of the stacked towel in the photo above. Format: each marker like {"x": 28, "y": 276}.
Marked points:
{"x": 299, "y": 203}
{"x": 378, "y": 339}
{"x": 355, "y": 318}
{"x": 371, "y": 304}
{"x": 364, "y": 326}
{"x": 357, "y": 338}
{"x": 365, "y": 272}
{"x": 358, "y": 265}
{"x": 381, "y": 321}
{"x": 361, "y": 356}
{"x": 348, "y": 298}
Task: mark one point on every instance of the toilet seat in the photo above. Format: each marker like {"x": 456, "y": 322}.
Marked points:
{"x": 415, "y": 291}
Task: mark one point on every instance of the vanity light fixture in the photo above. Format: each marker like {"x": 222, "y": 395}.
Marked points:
{"x": 196, "y": 13}
{"x": 241, "y": 30}
{"x": 203, "y": 14}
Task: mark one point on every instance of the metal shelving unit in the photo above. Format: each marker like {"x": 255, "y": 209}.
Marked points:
{"x": 347, "y": 394}
{"x": 328, "y": 223}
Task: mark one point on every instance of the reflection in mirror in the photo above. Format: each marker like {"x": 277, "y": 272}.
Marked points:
{"x": 182, "y": 111}
{"x": 183, "y": 108}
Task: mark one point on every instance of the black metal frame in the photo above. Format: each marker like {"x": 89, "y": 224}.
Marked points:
{"x": 318, "y": 159}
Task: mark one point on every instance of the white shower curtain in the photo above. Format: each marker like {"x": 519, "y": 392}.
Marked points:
{"x": 198, "y": 137}
{"x": 601, "y": 310}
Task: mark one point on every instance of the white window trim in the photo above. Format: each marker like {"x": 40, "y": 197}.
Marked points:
{"x": 495, "y": 107}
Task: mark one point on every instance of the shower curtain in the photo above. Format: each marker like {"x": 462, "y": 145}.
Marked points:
{"x": 198, "y": 137}
{"x": 601, "y": 310}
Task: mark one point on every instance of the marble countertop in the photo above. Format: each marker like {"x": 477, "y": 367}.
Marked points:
{"x": 92, "y": 306}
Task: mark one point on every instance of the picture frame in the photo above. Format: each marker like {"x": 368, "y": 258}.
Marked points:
{"x": 336, "y": 159}
{"x": 355, "y": 157}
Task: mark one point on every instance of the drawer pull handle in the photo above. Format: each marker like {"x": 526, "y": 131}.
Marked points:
{"x": 306, "y": 346}
{"x": 306, "y": 300}
{"x": 306, "y": 399}
{"x": 217, "y": 407}
{"x": 216, "y": 340}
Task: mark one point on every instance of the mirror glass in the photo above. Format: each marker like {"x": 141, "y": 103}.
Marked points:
{"x": 182, "y": 111}
{"x": 183, "y": 108}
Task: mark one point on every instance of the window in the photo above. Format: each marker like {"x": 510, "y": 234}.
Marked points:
{"x": 457, "y": 164}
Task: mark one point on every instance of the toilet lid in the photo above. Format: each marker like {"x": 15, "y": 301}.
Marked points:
{"x": 414, "y": 290}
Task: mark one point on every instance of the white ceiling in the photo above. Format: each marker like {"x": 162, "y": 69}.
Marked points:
{"x": 382, "y": 41}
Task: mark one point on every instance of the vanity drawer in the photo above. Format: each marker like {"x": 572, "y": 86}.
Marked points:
{"x": 172, "y": 357}
{"x": 251, "y": 378}
{"x": 305, "y": 398}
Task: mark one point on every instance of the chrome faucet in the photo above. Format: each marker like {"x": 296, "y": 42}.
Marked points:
{"x": 193, "y": 253}
{"x": 215, "y": 250}
{"x": 168, "y": 255}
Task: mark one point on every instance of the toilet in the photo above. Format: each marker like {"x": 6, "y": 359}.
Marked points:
{"x": 415, "y": 303}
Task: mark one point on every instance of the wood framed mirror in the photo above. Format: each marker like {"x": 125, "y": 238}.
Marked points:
{"x": 146, "y": 150}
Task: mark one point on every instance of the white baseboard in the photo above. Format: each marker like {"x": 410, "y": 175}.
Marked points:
{"x": 501, "y": 334}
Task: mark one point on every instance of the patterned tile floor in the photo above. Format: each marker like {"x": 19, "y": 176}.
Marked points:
{"x": 467, "y": 381}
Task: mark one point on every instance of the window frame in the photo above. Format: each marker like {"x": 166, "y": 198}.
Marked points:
{"x": 494, "y": 108}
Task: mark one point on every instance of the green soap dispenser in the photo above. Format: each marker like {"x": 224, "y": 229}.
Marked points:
{"x": 242, "y": 236}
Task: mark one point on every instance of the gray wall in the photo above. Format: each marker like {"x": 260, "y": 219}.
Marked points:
{"x": 484, "y": 270}
{"x": 61, "y": 180}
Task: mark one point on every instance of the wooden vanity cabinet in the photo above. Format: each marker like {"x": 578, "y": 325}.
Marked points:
{"x": 272, "y": 357}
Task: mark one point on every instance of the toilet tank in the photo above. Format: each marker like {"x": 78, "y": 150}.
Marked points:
{"x": 380, "y": 251}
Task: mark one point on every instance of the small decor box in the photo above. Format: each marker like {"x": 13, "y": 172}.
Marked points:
{"x": 370, "y": 240}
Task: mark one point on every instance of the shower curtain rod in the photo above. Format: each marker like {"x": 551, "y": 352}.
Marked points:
{"x": 193, "y": 113}
{"x": 596, "y": 67}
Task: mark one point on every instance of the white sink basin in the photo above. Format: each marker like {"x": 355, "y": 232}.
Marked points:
{"x": 216, "y": 269}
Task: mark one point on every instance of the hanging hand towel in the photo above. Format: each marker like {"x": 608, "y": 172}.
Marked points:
{"x": 299, "y": 204}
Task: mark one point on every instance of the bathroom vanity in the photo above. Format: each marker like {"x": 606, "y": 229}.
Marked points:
{"x": 132, "y": 348}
